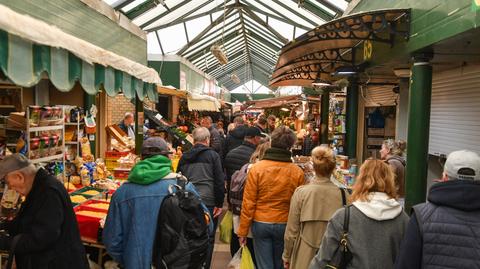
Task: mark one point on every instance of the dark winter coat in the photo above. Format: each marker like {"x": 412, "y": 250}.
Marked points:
{"x": 203, "y": 167}
{"x": 238, "y": 157}
{"x": 48, "y": 229}
{"x": 445, "y": 231}
{"x": 235, "y": 138}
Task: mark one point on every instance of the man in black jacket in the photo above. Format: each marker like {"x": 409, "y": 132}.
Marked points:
{"x": 44, "y": 235}
{"x": 236, "y": 136}
{"x": 445, "y": 232}
{"x": 203, "y": 167}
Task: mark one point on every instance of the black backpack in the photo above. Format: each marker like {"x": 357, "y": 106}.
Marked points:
{"x": 182, "y": 236}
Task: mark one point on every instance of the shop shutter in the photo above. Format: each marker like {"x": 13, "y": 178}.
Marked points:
{"x": 379, "y": 96}
{"x": 455, "y": 112}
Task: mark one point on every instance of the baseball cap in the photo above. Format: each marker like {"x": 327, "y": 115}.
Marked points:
{"x": 463, "y": 164}
{"x": 253, "y": 131}
{"x": 13, "y": 163}
{"x": 155, "y": 146}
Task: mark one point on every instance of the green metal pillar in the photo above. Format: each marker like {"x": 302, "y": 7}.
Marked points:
{"x": 352, "y": 118}
{"x": 418, "y": 131}
{"x": 88, "y": 101}
{"x": 138, "y": 126}
{"x": 324, "y": 118}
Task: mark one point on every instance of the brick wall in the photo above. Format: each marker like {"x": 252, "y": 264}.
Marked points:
{"x": 119, "y": 105}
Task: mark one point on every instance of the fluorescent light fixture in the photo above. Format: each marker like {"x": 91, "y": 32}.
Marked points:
{"x": 218, "y": 52}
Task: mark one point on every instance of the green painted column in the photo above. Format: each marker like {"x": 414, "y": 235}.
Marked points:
{"x": 352, "y": 118}
{"x": 88, "y": 101}
{"x": 420, "y": 96}
{"x": 138, "y": 126}
{"x": 324, "y": 118}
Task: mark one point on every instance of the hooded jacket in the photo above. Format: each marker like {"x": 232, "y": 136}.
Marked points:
{"x": 131, "y": 222}
{"x": 375, "y": 233}
{"x": 445, "y": 231}
{"x": 235, "y": 138}
{"x": 203, "y": 167}
{"x": 398, "y": 164}
{"x": 47, "y": 228}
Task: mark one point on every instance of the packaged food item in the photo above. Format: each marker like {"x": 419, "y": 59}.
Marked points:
{"x": 46, "y": 113}
{"x": 85, "y": 147}
{"x": 78, "y": 199}
{"x": 75, "y": 180}
{"x": 57, "y": 113}
{"x": 34, "y": 116}
{"x": 44, "y": 146}
{"x": 9, "y": 198}
{"x": 91, "y": 192}
{"x": 85, "y": 177}
{"x": 69, "y": 186}
{"x": 89, "y": 213}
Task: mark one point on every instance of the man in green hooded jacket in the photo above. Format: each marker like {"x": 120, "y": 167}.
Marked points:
{"x": 131, "y": 222}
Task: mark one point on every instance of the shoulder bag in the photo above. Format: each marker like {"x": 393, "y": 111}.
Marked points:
{"x": 342, "y": 256}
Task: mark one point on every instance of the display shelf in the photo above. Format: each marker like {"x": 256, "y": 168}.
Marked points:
{"x": 45, "y": 128}
{"x": 7, "y": 106}
{"x": 71, "y": 142}
{"x": 73, "y": 123}
{"x": 48, "y": 159}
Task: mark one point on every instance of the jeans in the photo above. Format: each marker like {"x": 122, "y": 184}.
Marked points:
{"x": 268, "y": 244}
{"x": 212, "y": 240}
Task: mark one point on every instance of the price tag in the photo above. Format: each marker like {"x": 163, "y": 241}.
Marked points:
{"x": 91, "y": 137}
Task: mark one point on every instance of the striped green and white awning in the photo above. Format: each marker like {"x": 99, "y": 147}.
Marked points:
{"x": 31, "y": 49}
{"x": 25, "y": 63}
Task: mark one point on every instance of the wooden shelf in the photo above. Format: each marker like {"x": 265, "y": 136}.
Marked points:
{"x": 73, "y": 123}
{"x": 46, "y": 128}
{"x": 71, "y": 142}
{"x": 7, "y": 106}
{"x": 48, "y": 159}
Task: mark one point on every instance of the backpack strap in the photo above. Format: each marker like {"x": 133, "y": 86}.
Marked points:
{"x": 346, "y": 219}
{"x": 181, "y": 181}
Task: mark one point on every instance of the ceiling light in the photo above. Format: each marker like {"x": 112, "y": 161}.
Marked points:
{"x": 218, "y": 52}
{"x": 284, "y": 109}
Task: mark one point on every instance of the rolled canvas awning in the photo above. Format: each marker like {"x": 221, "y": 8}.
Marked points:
{"x": 202, "y": 103}
{"x": 339, "y": 43}
{"x": 30, "y": 48}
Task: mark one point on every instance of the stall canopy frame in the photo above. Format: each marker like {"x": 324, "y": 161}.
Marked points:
{"x": 338, "y": 44}
{"x": 31, "y": 49}
{"x": 250, "y": 31}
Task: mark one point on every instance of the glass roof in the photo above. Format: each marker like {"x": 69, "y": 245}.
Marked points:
{"x": 251, "y": 32}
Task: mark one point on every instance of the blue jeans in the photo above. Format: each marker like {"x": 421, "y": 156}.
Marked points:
{"x": 268, "y": 244}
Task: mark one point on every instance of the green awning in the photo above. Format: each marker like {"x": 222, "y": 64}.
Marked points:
{"x": 25, "y": 63}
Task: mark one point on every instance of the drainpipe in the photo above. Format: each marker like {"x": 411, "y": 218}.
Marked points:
{"x": 352, "y": 118}
{"x": 420, "y": 96}
{"x": 324, "y": 117}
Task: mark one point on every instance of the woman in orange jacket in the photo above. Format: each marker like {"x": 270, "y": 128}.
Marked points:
{"x": 266, "y": 199}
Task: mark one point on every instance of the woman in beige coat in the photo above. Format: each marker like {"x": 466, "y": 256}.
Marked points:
{"x": 311, "y": 208}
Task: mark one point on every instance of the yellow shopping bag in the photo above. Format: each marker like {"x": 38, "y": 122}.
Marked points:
{"x": 226, "y": 227}
{"x": 246, "y": 262}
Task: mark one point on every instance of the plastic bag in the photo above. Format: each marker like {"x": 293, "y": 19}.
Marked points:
{"x": 226, "y": 227}
{"x": 241, "y": 260}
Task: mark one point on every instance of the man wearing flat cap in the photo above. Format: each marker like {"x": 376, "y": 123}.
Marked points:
{"x": 44, "y": 234}
{"x": 131, "y": 222}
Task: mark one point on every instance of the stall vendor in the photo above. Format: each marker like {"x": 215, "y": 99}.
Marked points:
{"x": 127, "y": 124}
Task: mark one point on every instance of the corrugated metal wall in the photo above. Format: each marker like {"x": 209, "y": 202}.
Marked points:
{"x": 379, "y": 96}
{"x": 455, "y": 112}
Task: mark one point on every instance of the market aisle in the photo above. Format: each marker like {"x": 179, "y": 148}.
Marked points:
{"x": 221, "y": 255}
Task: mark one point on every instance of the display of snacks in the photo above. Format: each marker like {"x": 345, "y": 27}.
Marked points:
{"x": 102, "y": 206}
{"x": 78, "y": 199}
{"x": 69, "y": 186}
{"x": 91, "y": 192}
{"x": 93, "y": 214}
{"x": 106, "y": 184}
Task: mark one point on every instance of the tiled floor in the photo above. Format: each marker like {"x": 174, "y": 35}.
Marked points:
{"x": 221, "y": 255}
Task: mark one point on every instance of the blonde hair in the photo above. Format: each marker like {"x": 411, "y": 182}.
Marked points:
{"x": 260, "y": 152}
{"x": 396, "y": 148}
{"x": 374, "y": 176}
{"x": 323, "y": 161}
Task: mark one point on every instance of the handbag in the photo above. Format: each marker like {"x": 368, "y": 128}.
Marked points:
{"x": 342, "y": 256}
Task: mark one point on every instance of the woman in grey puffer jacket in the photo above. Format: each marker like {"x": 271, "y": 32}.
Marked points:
{"x": 376, "y": 226}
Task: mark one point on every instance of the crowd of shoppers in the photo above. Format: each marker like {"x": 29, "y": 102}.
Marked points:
{"x": 283, "y": 220}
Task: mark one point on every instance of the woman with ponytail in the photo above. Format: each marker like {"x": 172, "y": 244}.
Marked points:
{"x": 311, "y": 208}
